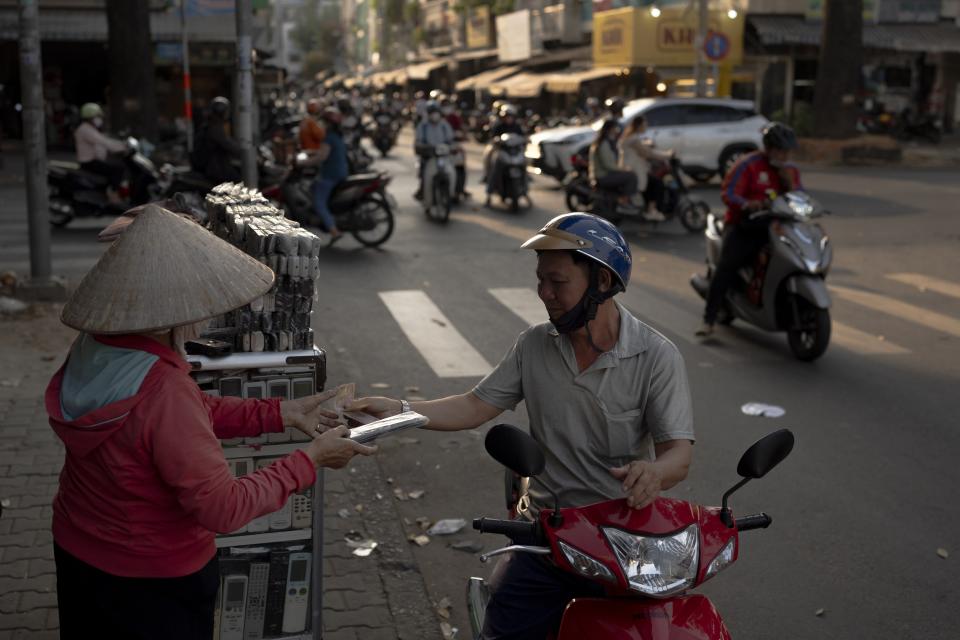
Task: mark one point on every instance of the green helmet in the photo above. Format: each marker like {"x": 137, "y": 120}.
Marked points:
{"x": 91, "y": 110}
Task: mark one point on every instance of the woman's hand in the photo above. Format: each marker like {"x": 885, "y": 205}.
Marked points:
{"x": 333, "y": 450}
{"x": 308, "y": 416}
{"x": 376, "y": 406}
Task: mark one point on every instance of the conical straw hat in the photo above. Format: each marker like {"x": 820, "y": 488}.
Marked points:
{"x": 164, "y": 271}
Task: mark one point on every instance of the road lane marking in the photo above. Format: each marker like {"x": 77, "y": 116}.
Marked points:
{"x": 523, "y": 301}
{"x": 862, "y": 342}
{"x": 443, "y": 347}
{"x": 902, "y": 310}
{"x": 497, "y": 226}
{"x": 922, "y": 282}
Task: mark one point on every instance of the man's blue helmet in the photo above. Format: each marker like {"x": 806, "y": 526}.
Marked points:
{"x": 588, "y": 235}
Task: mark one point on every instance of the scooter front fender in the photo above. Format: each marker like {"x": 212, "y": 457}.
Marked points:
{"x": 684, "y": 618}
{"x": 811, "y": 288}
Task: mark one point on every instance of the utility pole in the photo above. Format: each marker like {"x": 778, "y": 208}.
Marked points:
{"x": 41, "y": 285}
{"x": 244, "y": 124}
{"x": 700, "y": 65}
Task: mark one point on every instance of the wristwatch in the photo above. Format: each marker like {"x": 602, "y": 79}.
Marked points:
{"x": 404, "y": 406}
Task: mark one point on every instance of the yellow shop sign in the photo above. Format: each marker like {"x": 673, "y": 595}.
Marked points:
{"x": 634, "y": 37}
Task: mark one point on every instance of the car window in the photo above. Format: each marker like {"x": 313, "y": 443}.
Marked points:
{"x": 666, "y": 116}
{"x": 713, "y": 114}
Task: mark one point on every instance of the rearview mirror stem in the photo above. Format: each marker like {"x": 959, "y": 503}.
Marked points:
{"x": 555, "y": 518}
{"x": 724, "y": 510}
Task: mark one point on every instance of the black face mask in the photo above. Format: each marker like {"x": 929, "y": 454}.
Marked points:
{"x": 586, "y": 309}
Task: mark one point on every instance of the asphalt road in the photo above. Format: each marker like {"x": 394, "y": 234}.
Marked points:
{"x": 862, "y": 505}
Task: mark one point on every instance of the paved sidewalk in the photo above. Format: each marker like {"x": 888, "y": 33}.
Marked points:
{"x": 380, "y": 597}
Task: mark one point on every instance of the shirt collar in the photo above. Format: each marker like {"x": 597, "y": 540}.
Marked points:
{"x": 632, "y": 339}
{"x": 142, "y": 343}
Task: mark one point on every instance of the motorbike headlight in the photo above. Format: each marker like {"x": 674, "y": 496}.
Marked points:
{"x": 657, "y": 566}
{"x": 585, "y": 565}
{"x": 723, "y": 560}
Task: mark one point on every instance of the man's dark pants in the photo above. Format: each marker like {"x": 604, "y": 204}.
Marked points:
{"x": 529, "y": 594}
{"x": 741, "y": 244}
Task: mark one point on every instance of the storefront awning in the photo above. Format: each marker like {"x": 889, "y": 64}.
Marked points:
{"x": 383, "y": 79}
{"x": 560, "y": 55}
{"x": 934, "y": 37}
{"x": 334, "y": 80}
{"x": 522, "y": 85}
{"x": 478, "y": 54}
{"x": 570, "y": 82}
{"x": 482, "y": 81}
{"x": 423, "y": 70}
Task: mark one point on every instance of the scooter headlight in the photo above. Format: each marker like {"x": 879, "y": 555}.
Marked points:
{"x": 585, "y": 565}
{"x": 723, "y": 560}
{"x": 657, "y": 566}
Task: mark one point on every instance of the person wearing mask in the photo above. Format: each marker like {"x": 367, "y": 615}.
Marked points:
{"x": 311, "y": 132}
{"x": 608, "y": 401}
{"x": 637, "y": 152}
{"x": 94, "y": 150}
{"x": 605, "y": 171}
{"x": 748, "y": 187}
{"x": 331, "y": 157}
{"x": 145, "y": 486}
{"x": 216, "y": 150}
{"x": 429, "y": 133}
{"x": 508, "y": 122}
{"x": 449, "y": 111}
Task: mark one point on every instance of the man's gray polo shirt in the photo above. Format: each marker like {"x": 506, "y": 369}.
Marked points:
{"x": 632, "y": 397}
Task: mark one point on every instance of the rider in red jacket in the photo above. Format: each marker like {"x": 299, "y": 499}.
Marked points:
{"x": 753, "y": 181}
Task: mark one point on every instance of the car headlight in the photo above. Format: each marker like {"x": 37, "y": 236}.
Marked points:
{"x": 657, "y": 566}
{"x": 585, "y": 565}
{"x": 723, "y": 560}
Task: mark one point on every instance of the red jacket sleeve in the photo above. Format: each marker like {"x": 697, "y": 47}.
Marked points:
{"x": 243, "y": 418}
{"x": 189, "y": 459}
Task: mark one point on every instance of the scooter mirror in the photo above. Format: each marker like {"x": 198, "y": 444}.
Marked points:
{"x": 515, "y": 449}
{"x": 765, "y": 454}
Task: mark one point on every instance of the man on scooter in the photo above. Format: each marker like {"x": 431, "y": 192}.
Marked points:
{"x": 449, "y": 111}
{"x": 507, "y": 123}
{"x": 608, "y": 400}
{"x": 747, "y": 189}
{"x": 430, "y": 132}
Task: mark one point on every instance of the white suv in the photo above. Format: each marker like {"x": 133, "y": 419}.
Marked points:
{"x": 708, "y": 134}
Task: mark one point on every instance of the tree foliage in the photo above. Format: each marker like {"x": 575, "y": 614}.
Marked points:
{"x": 319, "y": 35}
{"x": 497, "y": 7}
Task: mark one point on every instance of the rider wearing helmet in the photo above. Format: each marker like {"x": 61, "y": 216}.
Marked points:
{"x": 94, "y": 149}
{"x": 615, "y": 107}
{"x": 331, "y": 157}
{"x": 506, "y": 123}
{"x": 607, "y": 398}
{"x": 749, "y": 185}
{"x": 430, "y": 132}
{"x": 215, "y": 149}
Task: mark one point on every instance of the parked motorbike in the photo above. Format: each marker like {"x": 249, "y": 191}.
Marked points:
{"x": 676, "y": 201}
{"x": 785, "y": 290}
{"x": 647, "y": 560}
{"x": 439, "y": 180}
{"x": 75, "y": 193}
{"x": 510, "y": 165}
{"x": 919, "y": 126}
{"x": 360, "y": 204}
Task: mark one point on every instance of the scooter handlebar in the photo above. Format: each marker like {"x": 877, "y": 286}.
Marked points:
{"x": 516, "y": 530}
{"x": 756, "y": 521}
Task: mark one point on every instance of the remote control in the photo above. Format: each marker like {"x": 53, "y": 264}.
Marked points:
{"x": 276, "y": 592}
{"x": 256, "y": 600}
{"x": 302, "y": 505}
{"x": 298, "y": 593}
{"x": 233, "y": 609}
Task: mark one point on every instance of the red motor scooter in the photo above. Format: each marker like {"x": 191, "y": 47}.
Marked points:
{"x": 647, "y": 559}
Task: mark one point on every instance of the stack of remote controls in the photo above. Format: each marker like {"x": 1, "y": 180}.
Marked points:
{"x": 279, "y": 320}
{"x": 265, "y": 593}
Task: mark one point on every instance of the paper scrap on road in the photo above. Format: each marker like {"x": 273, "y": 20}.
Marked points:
{"x": 416, "y": 495}
{"x": 419, "y": 540}
{"x": 467, "y": 546}
{"x": 379, "y": 385}
{"x": 943, "y": 553}
{"x": 764, "y": 410}
{"x": 447, "y": 527}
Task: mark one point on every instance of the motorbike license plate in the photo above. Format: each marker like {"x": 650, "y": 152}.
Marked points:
{"x": 515, "y": 172}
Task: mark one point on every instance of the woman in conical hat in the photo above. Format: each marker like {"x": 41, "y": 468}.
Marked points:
{"x": 145, "y": 485}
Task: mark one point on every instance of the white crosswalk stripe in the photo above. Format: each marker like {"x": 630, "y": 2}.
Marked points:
{"x": 862, "y": 342}
{"x": 928, "y": 283}
{"x": 443, "y": 347}
{"x": 898, "y": 309}
{"x": 522, "y": 301}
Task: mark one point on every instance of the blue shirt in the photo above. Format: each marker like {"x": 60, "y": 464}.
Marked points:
{"x": 335, "y": 166}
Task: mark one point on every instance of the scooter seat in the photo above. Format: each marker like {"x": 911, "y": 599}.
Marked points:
{"x": 354, "y": 180}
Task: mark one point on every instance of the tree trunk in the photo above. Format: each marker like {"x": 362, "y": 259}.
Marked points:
{"x": 133, "y": 98}
{"x": 838, "y": 70}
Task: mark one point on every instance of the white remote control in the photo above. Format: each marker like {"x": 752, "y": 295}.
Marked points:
{"x": 298, "y": 593}
{"x": 233, "y": 609}
{"x": 256, "y": 601}
{"x": 302, "y": 504}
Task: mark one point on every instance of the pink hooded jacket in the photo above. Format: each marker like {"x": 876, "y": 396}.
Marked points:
{"x": 145, "y": 483}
